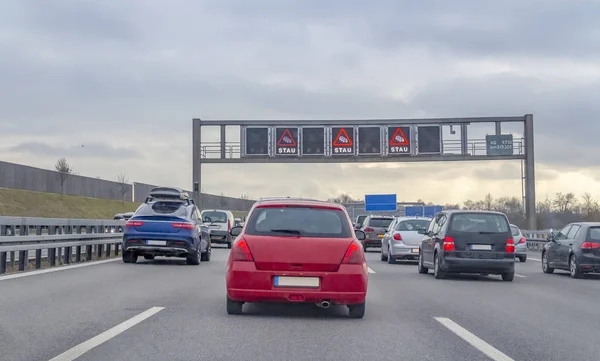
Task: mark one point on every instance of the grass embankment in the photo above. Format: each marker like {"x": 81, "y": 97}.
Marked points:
{"x": 20, "y": 203}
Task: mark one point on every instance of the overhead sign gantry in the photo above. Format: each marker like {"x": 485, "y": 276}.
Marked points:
{"x": 372, "y": 141}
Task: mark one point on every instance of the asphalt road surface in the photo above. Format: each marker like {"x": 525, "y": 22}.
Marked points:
{"x": 165, "y": 310}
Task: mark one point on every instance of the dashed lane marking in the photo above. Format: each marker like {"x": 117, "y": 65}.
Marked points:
{"x": 56, "y": 269}
{"x": 370, "y": 270}
{"x": 86, "y": 346}
{"x": 473, "y": 340}
{"x": 520, "y": 276}
{"x": 534, "y": 259}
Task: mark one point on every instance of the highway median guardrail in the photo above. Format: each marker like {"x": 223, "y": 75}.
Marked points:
{"x": 58, "y": 240}
{"x": 536, "y": 239}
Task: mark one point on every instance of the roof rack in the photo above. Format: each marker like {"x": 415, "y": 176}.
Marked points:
{"x": 169, "y": 193}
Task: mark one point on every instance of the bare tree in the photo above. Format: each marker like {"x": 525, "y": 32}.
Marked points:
{"x": 343, "y": 198}
{"x": 589, "y": 207}
{"x": 64, "y": 171}
{"x": 244, "y": 196}
{"x": 122, "y": 185}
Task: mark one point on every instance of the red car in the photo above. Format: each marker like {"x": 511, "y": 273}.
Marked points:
{"x": 297, "y": 250}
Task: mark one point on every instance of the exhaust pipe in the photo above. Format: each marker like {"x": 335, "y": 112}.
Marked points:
{"x": 324, "y": 304}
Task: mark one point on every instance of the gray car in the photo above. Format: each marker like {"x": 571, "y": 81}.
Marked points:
{"x": 375, "y": 227}
{"x": 520, "y": 243}
{"x": 402, "y": 239}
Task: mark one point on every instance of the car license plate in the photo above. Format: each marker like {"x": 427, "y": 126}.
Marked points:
{"x": 481, "y": 247}
{"x": 156, "y": 243}
{"x": 380, "y": 235}
{"x": 415, "y": 250}
{"x": 282, "y": 281}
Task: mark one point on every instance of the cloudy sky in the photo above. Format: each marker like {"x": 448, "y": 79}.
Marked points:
{"x": 125, "y": 78}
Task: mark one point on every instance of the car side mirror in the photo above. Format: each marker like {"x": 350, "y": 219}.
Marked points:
{"x": 360, "y": 235}
{"x": 235, "y": 231}
{"x": 422, "y": 231}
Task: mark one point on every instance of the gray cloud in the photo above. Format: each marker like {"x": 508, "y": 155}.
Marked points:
{"x": 88, "y": 150}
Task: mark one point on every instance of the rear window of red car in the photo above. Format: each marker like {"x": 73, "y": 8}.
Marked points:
{"x": 303, "y": 221}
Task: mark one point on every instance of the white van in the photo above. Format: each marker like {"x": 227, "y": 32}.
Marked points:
{"x": 219, "y": 222}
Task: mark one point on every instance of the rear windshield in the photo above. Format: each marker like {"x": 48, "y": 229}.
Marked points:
{"x": 303, "y": 221}
{"x": 594, "y": 234}
{"x": 380, "y": 222}
{"x": 515, "y": 231}
{"x": 215, "y": 217}
{"x": 412, "y": 225}
{"x": 479, "y": 222}
{"x": 162, "y": 208}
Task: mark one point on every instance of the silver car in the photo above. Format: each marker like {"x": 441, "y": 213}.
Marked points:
{"x": 402, "y": 239}
{"x": 520, "y": 243}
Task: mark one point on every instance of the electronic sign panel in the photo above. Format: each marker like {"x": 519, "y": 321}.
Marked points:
{"x": 429, "y": 138}
{"x": 342, "y": 141}
{"x": 257, "y": 141}
{"x": 369, "y": 140}
{"x": 499, "y": 144}
{"x": 399, "y": 140}
{"x": 313, "y": 141}
{"x": 286, "y": 141}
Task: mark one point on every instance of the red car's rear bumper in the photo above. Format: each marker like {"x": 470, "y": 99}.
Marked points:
{"x": 345, "y": 287}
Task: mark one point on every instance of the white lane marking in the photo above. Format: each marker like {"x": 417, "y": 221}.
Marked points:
{"x": 370, "y": 270}
{"x": 86, "y": 346}
{"x": 473, "y": 340}
{"x": 56, "y": 269}
{"x": 521, "y": 276}
{"x": 534, "y": 259}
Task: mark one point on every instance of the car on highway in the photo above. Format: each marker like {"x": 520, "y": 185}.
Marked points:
{"x": 466, "y": 241}
{"x": 520, "y": 243}
{"x": 575, "y": 248}
{"x": 166, "y": 224}
{"x": 402, "y": 239}
{"x": 295, "y": 250}
{"x": 220, "y": 223}
{"x": 375, "y": 227}
{"x": 358, "y": 223}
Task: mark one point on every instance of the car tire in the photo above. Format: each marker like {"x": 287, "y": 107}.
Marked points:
{"x": 390, "y": 258}
{"x": 438, "y": 273}
{"x": 522, "y": 259}
{"x": 234, "y": 307}
{"x": 384, "y": 258}
{"x": 194, "y": 258}
{"x": 148, "y": 257}
{"x": 545, "y": 265}
{"x": 357, "y": 311}
{"x": 129, "y": 257}
{"x": 422, "y": 269}
{"x": 205, "y": 257}
{"x": 574, "y": 269}
{"x": 508, "y": 277}
{"x": 229, "y": 242}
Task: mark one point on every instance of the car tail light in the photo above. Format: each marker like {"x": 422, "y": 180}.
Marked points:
{"x": 397, "y": 237}
{"x": 510, "y": 246}
{"x": 134, "y": 224}
{"x": 241, "y": 252}
{"x": 180, "y": 242}
{"x": 369, "y": 229}
{"x": 229, "y": 224}
{"x": 522, "y": 240}
{"x": 354, "y": 254}
{"x": 188, "y": 226}
{"x": 590, "y": 245}
{"x": 449, "y": 244}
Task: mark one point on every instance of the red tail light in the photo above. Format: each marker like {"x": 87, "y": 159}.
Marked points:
{"x": 522, "y": 240}
{"x": 241, "y": 252}
{"x": 449, "y": 244}
{"x": 134, "y": 224}
{"x": 229, "y": 225}
{"x": 590, "y": 245}
{"x": 397, "y": 237}
{"x": 188, "y": 226}
{"x": 510, "y": 246}
{"x": 368, "y": 229}
{"x": 354, "y": 254}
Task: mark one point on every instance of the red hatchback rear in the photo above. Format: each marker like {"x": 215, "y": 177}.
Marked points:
{"x": 297, "y": 251}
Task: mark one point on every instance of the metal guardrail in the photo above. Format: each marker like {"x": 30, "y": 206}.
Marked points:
{"x": 536, "y": 239}
{"x": 55, "y": 239}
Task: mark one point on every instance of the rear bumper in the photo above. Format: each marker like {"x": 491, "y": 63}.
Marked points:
{"x": 219, "y": 236}
{"x": 466, "y": 265}
{"x": 372, "y": 241}
{"x": 404, "y": 251}
{"x": 180, "y": 251}
{"x": 589, "y": 263}
{"x": 345, "y": 287}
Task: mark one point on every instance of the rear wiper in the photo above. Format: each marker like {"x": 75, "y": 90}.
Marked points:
{"x": 290, "y": 231}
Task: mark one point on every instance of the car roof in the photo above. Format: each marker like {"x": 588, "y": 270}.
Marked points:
{"x": 298, "y": 202}
{"x": 408, "y": 218}
{"x": 462, "y": 211}
{"x": 381, "y": 216}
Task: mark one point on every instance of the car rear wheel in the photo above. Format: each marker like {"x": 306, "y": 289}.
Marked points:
{"x": 390, "y": 258}
{"x": 194, "y": 258}
{"x": 522, "y": 259}
{"x": 357, "y": 311}
{"x": 438, "y": 273}
{"x": 545, "y": 265}
{"x": 148, "y": 256}
{"x": 509, "y": 276}
{"x": 206, "y": 255}
{"x": 574, "y": 269}
{"x": 383, "y": 256}
{"x": 234, "y": 307}
{"x": 229, "y": 242}
{"x": 129, "y": 257}
{"x": 422, "y": 269}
